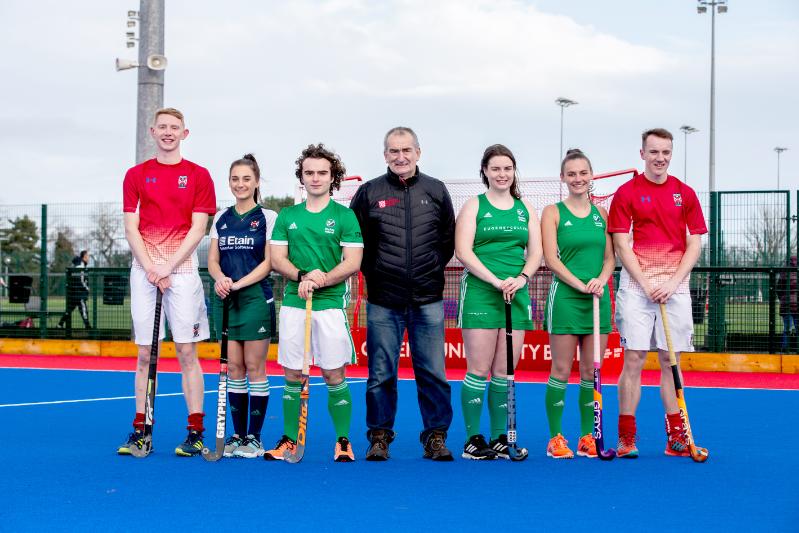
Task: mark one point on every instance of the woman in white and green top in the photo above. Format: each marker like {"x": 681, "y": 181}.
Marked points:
{"x": 497, "y": 238}
{"x": 578, "y": 250}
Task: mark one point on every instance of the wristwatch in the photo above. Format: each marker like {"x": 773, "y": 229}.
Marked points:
{"x": 300, "y": 274}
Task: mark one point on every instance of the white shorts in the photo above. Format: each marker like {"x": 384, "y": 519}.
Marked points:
{"x": 183, "y": 305}
{"x": 640, "y": 325}
{"x": 331, "y": 339}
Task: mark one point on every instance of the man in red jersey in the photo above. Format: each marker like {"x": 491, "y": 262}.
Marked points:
{"x": 657, "y": 260}
{"x": 167, "y": 201}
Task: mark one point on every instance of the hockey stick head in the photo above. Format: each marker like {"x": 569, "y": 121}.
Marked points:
{"x": 212, "y": 456}
{"x": 517, "y": 454}
{"x": 144, "y": 449}
{"x": 607, "y": 455}
{"x": 699, "y": 455}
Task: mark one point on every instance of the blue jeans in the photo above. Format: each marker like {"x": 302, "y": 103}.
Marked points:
{"x": 786, "y": 327}
{"x": 384, "y": 336}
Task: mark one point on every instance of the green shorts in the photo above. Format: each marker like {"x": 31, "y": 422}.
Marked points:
{"x": 251, "y": 317}
{"x": 482, "y": 306}
{"x": 571, "y": 312}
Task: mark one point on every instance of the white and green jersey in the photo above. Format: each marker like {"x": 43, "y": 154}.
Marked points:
{"x": 316, "y": 240}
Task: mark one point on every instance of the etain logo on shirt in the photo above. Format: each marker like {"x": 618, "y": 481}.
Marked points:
{"x": 597, "y": 221}
{"x": 182, "y": 182}
{"x": 330, "y": 226}
{"x": 520, "y": 213}
{"x": 388, "y": 202}
{"x": 677, "y": 199}
{"x": 254, "y": 225}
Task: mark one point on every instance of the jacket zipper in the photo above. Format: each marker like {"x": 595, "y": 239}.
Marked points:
{"x": 408, "y": 242}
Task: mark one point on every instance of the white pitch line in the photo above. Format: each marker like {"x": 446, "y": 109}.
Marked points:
{"x": 214, "y": 391}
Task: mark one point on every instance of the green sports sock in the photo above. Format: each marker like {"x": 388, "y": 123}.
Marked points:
{"x": 339, "y": 405}
{"x": 472, "y": 392}
{"x": 498, "y": 406}
{"x": 291, "y": 409}
{"x": 554, "y": 399}
{"x": 586, "y": 407}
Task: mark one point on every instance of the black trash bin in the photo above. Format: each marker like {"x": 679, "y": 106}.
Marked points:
{"x": 19, "y": 289}
{"x": 115, "y": 288}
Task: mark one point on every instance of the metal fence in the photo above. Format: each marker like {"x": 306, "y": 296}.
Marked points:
{"x": 745, "y": 317}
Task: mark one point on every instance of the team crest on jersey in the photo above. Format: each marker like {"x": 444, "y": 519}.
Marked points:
{"x": 182, "y": 182}
{"x": 254, "y": 225}
{"x": 520, "y": 213}
{"x": 677, "y": 199}
{"x": 597, "y": 220}
{"x": 330, "y": 226}
{"x": 388, "y": 202}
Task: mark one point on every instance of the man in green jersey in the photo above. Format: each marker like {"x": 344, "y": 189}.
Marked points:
{"x": 316, "y": 246}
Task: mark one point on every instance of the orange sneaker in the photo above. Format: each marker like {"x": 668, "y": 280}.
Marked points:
{"x": 343, "y": 453}
{"x": 587, "y": 446}
{"x": 558, "y": 449}
{"x": 677, "y": 445}
{"x": 285, "y": 444}
{"x": 626, "y": 447}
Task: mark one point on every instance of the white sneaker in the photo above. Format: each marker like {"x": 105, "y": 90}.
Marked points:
{"x": 250, "y": 448}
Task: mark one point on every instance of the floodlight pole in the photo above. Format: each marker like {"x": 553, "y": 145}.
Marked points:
{"x": 151, "y": 82}
{"x": 563, "y": 103}
{"x": 779, "y": 150}
{"x": 686, "y": 130}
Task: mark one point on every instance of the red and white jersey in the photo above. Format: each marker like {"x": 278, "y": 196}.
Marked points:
{"x": 660, "y": 215}
{"x": 165, "y": 197}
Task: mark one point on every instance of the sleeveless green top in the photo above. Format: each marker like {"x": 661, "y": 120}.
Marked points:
{"x": 500, "y": 239}
{"x": 581, "y": 242}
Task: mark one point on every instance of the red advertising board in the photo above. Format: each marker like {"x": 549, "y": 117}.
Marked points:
{"x": 536, "y": 354}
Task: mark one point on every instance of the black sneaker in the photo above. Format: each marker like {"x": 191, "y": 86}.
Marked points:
{"x": 378, "y": 449}
{"x": 435, "y": 447}
{"x": 477, "y": 448}
{"x": 193, "y": 444}
{"x": 135, "y": 439}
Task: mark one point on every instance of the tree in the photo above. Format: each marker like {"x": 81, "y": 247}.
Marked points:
{"x": 276, "y": 203}
{"x": 20, "y": 244}
{"x": 63, "y": 253}
{"x": 107, "y": 235}
{"x": 765, "y": 235}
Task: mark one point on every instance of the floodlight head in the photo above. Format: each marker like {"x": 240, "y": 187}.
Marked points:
{"x": 131, "y": 24}
{"x": 130, "y": 34}
{"x": 125, "y": 64}
{"x": 133, "y": 14}
{"x": 780, "y": 149}
{"x": 701, "y": 9}
{"x": 156, "y": 62}
{"x": 722, "y": 8}
{"x": 131, "y": 44}
{"x": 688, "y": 129}
{"x": 564, "y": 102}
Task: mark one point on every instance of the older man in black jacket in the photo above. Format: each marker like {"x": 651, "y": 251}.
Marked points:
{"x": 408, "y": 228}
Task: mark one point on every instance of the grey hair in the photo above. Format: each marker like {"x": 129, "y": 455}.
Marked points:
{"x": 401, "y": 130}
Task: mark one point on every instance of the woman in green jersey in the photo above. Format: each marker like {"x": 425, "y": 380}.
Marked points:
{"x": 578, "y": 250}
{"x": 498, "y": 240}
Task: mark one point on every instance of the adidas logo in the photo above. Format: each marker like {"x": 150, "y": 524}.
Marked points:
{"x": 262, "y": 330}
{"x": 558, "y": 404}
{"x": 476, "y": 401}
{"x": 224, "y": 226}
{"x": 293, "y": 226}
{"x": 255, "y": 413}
{"x": 488, "y": 215}
{"x": 568, "y": 223}
{"x": 341, "y": 403}
{"x": 503, "y": 406}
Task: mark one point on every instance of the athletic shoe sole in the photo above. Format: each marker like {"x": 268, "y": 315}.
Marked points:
{"x": 467, "y": 455}
{"x": 586, "y": 454}
{"x": 560, "y": 457}
{"x": 628, "y": 455}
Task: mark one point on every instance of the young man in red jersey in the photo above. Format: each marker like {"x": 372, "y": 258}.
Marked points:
{"x": 167, "y": 201}
{"x": 658, "y": 256}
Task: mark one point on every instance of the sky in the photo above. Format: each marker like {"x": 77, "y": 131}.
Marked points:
{"x": 271, "y": 77}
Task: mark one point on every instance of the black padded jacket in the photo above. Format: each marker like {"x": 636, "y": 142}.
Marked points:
{"x": 408, "y": 232}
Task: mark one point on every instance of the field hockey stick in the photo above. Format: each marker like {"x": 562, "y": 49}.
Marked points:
{"x": 221, "y": 396}
{"x": 302, "y": 426}
{"x": 599, "y": 436}
{"x": 514, "y": 452}
{"x": 149, "y": 398}
{"x": 698, "y": 454}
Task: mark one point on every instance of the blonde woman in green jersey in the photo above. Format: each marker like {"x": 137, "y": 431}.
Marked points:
{"x": 579, "y": 252}
{"x": 498, "y": 240}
